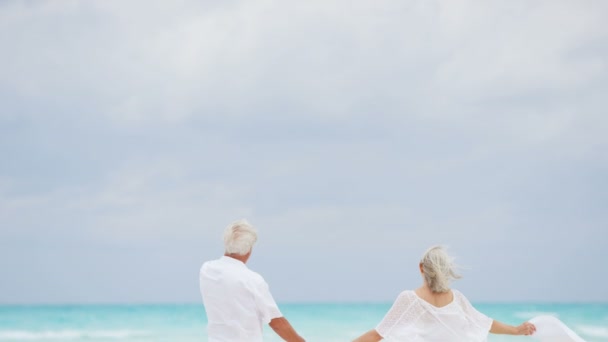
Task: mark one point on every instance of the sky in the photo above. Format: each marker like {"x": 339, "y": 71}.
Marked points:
{"x": 352, "y": 134}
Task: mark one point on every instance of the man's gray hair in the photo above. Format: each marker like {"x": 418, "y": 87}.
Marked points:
{"x": 439, "y": 269}
{"x": 239, "y": 237}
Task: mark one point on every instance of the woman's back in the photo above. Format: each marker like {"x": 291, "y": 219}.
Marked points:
{"x": 436, "y": 299}
{"x": 413, "y": 318}
{"x": 435, "y": 313}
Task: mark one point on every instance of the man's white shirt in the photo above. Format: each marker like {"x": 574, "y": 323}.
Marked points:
{"x": 237, "y": 301}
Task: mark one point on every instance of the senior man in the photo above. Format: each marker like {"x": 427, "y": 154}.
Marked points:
{"x": 237, "y": 300}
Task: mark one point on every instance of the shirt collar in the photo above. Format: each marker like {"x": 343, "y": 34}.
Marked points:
{"x": 232, "y": 260}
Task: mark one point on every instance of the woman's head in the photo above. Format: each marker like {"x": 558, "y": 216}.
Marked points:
{"x": 438, "y": 269}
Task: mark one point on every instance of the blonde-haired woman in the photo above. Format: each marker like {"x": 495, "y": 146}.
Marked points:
{"x": 436, "y": 313}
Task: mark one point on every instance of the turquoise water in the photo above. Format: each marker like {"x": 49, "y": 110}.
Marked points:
{"x": 316, "y": 322}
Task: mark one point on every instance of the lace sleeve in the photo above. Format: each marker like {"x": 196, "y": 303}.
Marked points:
{"x": 479, "y": 319}
{"x": 401, "y": 312}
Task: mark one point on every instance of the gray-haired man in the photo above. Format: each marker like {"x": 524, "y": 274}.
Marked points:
{"x": 237, "y": 300}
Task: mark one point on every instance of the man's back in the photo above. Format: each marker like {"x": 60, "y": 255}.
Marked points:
{"x": 237, "y": 301}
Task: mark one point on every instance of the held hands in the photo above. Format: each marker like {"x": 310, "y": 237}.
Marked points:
{"x": 526, "y": 328}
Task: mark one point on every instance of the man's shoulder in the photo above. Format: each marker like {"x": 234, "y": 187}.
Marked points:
{"x": 212, "y": 267}
{"x": 209, "y": 263}
{"x": 255, "y": 277}
{"x": 244, "y": 273}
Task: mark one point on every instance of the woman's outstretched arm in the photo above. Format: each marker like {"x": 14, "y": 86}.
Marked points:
{"x": 526, "y": 328}
{"x": 370, "y": 336}
{"x": 393, "y": 317}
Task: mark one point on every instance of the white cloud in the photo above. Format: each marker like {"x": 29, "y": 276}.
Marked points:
{"x": 398, "y": 124}
{"x": 172, "y": 62}
{"x": 136, "y": 204}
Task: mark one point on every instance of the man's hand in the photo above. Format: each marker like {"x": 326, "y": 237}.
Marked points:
{"x": 282, "y": 327}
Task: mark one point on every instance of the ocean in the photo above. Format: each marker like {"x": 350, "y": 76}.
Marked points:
{"x": 315, "y": 322}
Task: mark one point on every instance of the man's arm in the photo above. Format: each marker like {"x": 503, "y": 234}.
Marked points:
{"x": 370, "y": 336}
{"x": 282, "y": 327}
{"x": 501, "y": 328}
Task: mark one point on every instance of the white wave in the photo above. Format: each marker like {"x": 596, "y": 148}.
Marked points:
{"x": 68, "y": 334}
{"x": 532, "y": 314}
{"x": 592, "y": 330}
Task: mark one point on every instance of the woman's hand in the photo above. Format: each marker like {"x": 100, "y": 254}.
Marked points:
{"x": 370, "y": 336}
{"x": 526, "y": 328}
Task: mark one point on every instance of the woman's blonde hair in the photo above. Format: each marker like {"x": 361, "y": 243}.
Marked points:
{"x": 439, "y": 269}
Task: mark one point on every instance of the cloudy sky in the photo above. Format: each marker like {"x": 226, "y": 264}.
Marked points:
{"x": 352, "y": 134}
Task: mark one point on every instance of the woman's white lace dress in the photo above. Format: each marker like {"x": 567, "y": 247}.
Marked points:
{"x": 413, "y": 319}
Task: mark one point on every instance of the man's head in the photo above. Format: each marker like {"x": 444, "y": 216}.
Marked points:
{"x": 239, "y": 238}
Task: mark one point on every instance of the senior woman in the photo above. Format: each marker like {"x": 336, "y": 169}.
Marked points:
{"x": 436, "y": 313}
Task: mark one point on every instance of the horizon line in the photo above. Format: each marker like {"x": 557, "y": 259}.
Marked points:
{"x": 312, "y": 302}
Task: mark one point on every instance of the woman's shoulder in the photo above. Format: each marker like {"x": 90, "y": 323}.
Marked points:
{"x": 458, "y": 296}
{"x": 405, "y": 300}
{"x": 407, "y": 293}
{"x": 457, "y": 293}
{"x": 406, "y": 296}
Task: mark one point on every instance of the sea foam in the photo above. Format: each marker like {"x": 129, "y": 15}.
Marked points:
{"x": 69, "y": 334}
{"x": 532, "y": 314}
{"x": 592, "y": 330}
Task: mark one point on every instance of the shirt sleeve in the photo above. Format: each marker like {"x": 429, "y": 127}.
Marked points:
{"x": 401, "y": 312}
{"x": 482, "y": 321}
{"x": 267, "y": 307}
